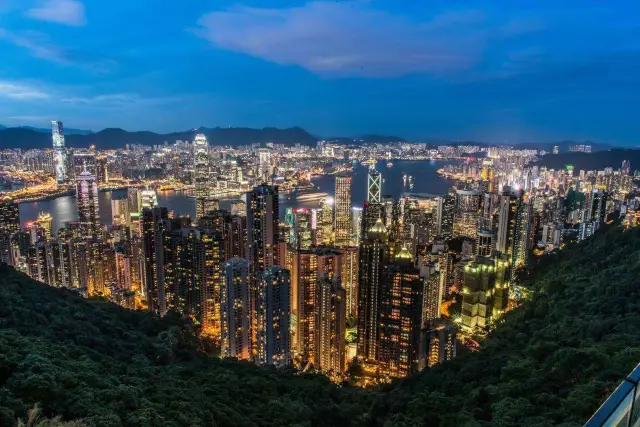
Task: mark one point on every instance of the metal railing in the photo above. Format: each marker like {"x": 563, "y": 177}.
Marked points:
{"x": 622, "y": 408}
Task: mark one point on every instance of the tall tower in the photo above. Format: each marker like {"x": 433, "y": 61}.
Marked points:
{"x": 154, "y": 231}
{"x": 273, "y": 308}
{"x": 374, "y": 253}
{"x": 57, "y": 137}
{"x": 343, "y": 211}
{"x": 262, "y": 241}
{"x": 374, "y": 186}
{"x": 9, "y": 226}
{"x": 401, "y": 300}
{"x": 201, "y": 173}
{"x": 87, "y": 200}
{"x": 236, "y": 336}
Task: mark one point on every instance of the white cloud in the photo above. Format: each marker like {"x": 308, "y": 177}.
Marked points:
{"x": 20, "y": 91}
{"x": 349, "y": 38}
{"x": 66, "y": 12}
{"x": 37, "y": 43}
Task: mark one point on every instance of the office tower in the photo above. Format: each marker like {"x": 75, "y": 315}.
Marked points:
{"x": 521, "y": 239}
{"x": 102, "y": 171}
{"x": 237, "y": 236}
{"x": 273, "y": 312}
{"x": 87, "y": 201}
{"x": 213, "y": 253}
{"x": 343, "y": 211}
{"x": 123, "y": 268}
{"x": 445, "y": 216}
{"x": 433, "y": 291}
{"x": 477, "y": 297}
{"x": 148, "y": 199}
{"x": 60, "y": 155}
{"x": 331, "y": 325}
{"x": 401, "y": 300}
{"x": 234, "y": 308}
{"x": 201, "y": 173}
{"x": 262, "y": 239}
{"x": 133, "y": 199}
{"x": 484, "y": 243}
{"x": 374, "y": 186}
{"x": 155, "y": 226}
{"x": 371, "y": 212}
{"x": 356, "y": 226}
{"x": 467, "y": 212}
{"x": 264, "y": 163}
{"x": 438, "y": 344}
{"x": 305, "y": 296}
{"x": 9, "y": 226}
{"x": 350, "y": 279}
{"x": 374, "y": 253}
{"x": 262, "y": 228}
{"x": 45, "y": 221}
{"x": 324, "y": 230}
{"x": 302, "y": 227}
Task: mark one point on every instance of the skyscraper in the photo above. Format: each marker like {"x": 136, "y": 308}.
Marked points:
{"x": 305, "y": 274}
{"x": 374, "y": 253}
{"x": 302, "y": 226}
{"x": 400, "y": 316}
{"x": 467, "y": 212}
{"x": 445, "y": 215}
{"x": 274, "y": 317}
{"x": 324, "y": 230}
{"x": 201, "y": 173}
{"x": 350, "y": 279}
{"x": 9, "y": 226}
{"x": 477, "y": 294}
{"x": 154, "y": 230}
{"x": 331, "y": 325}
{"x": 343, "y": 211}
{"x": 374, "y": 186}
{"x": 262, "y": 240}
{"x": 60, "y": 155}
{"x": 236, "y": 332}
{"x": 87, "y": 201}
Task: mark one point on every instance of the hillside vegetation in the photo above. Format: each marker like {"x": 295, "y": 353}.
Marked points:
{"x": 550, "y": 362}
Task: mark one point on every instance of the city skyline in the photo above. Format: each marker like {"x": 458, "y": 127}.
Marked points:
{"x": 511, "y": 74}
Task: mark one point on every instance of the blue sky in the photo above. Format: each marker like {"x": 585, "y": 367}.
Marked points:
{"x": 488, "y": 70}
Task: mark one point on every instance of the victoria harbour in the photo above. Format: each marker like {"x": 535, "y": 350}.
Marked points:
{"x": 404, "y": 177}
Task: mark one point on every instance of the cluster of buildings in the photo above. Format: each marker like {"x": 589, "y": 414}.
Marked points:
{"x": 394, "y": 285}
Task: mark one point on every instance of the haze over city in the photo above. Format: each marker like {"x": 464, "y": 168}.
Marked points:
{"x": 466, "y": 70}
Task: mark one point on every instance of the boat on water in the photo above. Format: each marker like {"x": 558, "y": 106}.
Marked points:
{"x": 311, "y": 196}
{"x": 389, "y": 164}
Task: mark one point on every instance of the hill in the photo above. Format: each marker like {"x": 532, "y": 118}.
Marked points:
{"x": 113, "y": 138}
{"x": 550, "y": 362}
{"x": 592, "y": 161}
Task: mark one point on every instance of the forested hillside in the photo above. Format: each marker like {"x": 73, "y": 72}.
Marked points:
{"x": 551, "y": 362}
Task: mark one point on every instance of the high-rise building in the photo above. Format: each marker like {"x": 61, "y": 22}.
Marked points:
{"x": 148, "y": 199}
{"x": 433, "y": 291}
{"x": 371, "y": 212}
{"x": 155, "y": 226}
{"x": 445, "y": 216}
{"x": 87, "y": 201}
{"x": 305, "y": 296}
{"x": 467, "y": 213}
{"x": 9, "y": 226}
{"x": 264, "y": 163}
{"x": 374, "y": 186}
{"x": 324, "y": 230}
{"x": 477, "y": 295}
{"x": 374, "y": 253}
{"x": 201, "y": 173}
{"x": 350, "y": 279}
{"x": 60, "y": 155}
{"x": 438, "y": 344}
{"x": 485, "y": 241}
{"x": 343, "y": 211}
{"x": 302, "y": 227}
{"x": 236, "y": 331}
{"x": 401, "y": 300}
{"x": 331, "y": 325}
{"x": 273, "y": 312}
{"x": 262, "y": 239}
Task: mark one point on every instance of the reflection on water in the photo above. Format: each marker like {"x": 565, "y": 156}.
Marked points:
{"x": 423, "y": 173}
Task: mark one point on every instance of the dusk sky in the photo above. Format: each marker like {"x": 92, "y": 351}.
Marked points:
{"x": 502, "y": 71}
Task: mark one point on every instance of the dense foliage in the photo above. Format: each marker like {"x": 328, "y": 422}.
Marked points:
{"x": 550, "y": 362}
